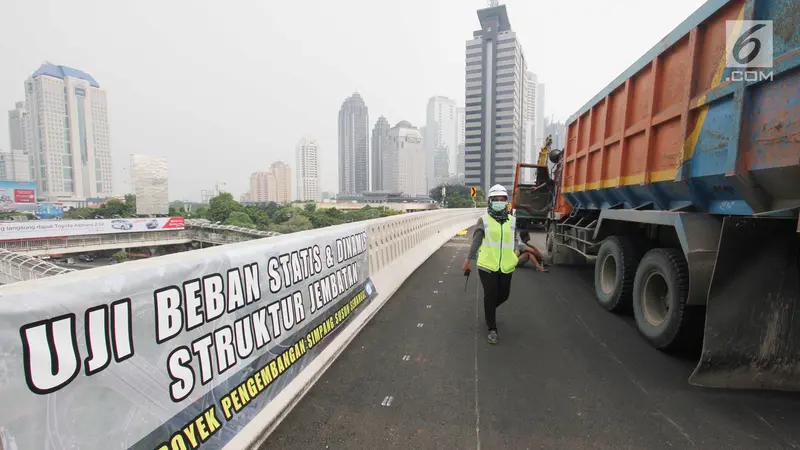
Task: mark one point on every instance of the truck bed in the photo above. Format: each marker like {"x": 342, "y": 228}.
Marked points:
{"x": 676, "y": 132}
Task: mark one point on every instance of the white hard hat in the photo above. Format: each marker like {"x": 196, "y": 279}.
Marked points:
{"x": 497, "y": 190}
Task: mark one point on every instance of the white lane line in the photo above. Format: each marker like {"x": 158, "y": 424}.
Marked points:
{"x": 440, "y": 281}
{"x": 420, "y": 325}
{"x": 429, "y": 306}
{"x": 477, "y": 405}
{"x": 435, "y": 292}
{"x": 406, "y": 357}
{"x": 387, "y": 401}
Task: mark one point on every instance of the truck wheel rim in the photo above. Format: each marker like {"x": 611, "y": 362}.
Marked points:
{"x": 654, "y": 299}
{"x": 608, "y": 275}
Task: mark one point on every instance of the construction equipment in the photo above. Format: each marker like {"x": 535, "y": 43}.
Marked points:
{"x": 681, "y": 182}
{"x": 534, "y": 190}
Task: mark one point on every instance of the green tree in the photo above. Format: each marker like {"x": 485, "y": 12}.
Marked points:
{"x": 310, "y": 207}
{"x": 221, "y": 207}
{"x": 456, "y": 195}
{"x": 130, "y": 205}
{"x": 240, "y": 219}
{"x": 121, "y": 256}
{"x": 296, "y": 223}
{"x": 258, "y": 217}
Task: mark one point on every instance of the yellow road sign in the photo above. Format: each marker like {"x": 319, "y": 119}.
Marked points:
{"x": 473, "y": 192}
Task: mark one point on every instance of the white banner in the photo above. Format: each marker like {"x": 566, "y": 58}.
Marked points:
{"x": 38, "y": 229}
{"x": 175, "y": 352}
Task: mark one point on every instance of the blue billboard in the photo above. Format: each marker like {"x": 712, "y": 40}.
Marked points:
{"x": 17, "y": 196}
{"x": 49, "y": 210}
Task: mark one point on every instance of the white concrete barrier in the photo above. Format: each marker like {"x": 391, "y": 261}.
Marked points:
{"x": 141, "y": 334}
{"x": 397, "y": 247}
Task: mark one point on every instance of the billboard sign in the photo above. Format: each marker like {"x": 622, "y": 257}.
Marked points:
{"x": 178, "y": 355}
{"x": 39, "y": 229}
{"x": 17, "y": 196}
{"x": 49, "y": 210}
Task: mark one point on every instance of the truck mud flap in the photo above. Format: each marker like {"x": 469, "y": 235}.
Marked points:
{"x": 752, "y": 328}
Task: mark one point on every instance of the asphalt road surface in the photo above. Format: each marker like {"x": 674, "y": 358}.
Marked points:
{"x": 565, "y": 375}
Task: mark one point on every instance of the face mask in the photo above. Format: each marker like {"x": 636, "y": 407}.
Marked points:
{"x": 498, "y": 206}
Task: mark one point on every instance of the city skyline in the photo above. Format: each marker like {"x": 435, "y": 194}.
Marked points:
{"x": 161, "y": 106}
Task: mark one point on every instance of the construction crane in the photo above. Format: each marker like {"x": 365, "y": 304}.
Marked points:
{"x": 545, "y": 151}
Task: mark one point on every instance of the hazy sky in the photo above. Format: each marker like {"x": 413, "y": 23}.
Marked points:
{"x": 224, "y": 88}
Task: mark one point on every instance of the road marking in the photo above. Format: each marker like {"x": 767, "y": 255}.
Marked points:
{"x": 387, "y": 401}
{"x": 440, "y": 281}
{"x": 429, "y": 306}
{"x": 477, "y": 405}
{"x": 769, "y": 425}
{"x": 435, "y": 292}
{"x": 406, "y": 357}
{"x": 420, "y": 325}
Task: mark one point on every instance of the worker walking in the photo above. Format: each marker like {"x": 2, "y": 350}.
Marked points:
{"x": 494, "y": 242}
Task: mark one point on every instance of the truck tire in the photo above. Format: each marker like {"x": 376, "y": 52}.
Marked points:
{"x": 660, "y": 290}
{"x": 614, "y": 272}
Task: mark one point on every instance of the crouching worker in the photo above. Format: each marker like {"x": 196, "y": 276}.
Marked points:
{"x": 528, "y": 252}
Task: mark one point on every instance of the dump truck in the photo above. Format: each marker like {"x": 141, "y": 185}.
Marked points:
{"x": 680, "y": 182}
{"x": 534, "y": 191}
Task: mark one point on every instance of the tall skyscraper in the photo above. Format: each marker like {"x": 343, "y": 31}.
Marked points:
{"x": 541, "y": 134}
{"x": 529, "y": 117}
{"x": 559, "y": 132}
{"x": 441, "y": 143}
{"x": 260, "y": 185}
{"x": 379, "y": 134}
{"x": 19, "y": 129}
{"x": 71, "y": 147}
{"x": 150, "y": 184}
{"x": 495, "y": 70}
{"x": 15, "y": 166}
{"x": 404, "y": 161}
{"x": 308, "y": 170}
{"x": 282, "y": 191}
{"x": 353, "y": 146}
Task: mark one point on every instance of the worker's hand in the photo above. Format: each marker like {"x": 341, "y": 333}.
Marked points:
{"x": 467, "y": 268}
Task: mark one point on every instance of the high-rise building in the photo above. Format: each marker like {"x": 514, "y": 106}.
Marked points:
{"x": 353, "y": 146}
{"x": 15, "y": 166}
{"x": 282, "y": 190}
{"x": 495, "y": 70}
{"x": 540, "y": 131}
{"x": 71, "y": 147}
{"x": 308, "y": 170}
{"x": 149, "y": 182}
{"x": 441, "y": 143}
{"x": 558, "y": 130}
{"x": 404, "y": 161}
{"x": 260, "y": 186}
{"x": 529, "y": 117}
{"x": 19, "y": 129}
{"x": 379, "y": 134}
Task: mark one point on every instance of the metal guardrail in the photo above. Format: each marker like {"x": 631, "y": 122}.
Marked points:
{"x": 17, "y": 267}
{"x": 195, "y": 230}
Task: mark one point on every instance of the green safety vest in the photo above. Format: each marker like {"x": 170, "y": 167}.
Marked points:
{"x": 497, "y": 250}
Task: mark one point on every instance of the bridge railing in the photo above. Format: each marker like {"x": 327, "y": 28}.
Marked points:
{"x": 232, "y": 335}
{"x": 15, "y": 267}
{"x": 206, "y": 234}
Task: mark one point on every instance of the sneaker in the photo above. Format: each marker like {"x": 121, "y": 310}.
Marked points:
{"x": 492, "y": 338}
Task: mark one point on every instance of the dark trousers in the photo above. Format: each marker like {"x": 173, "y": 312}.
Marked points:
{"x": 496, "y": 289}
